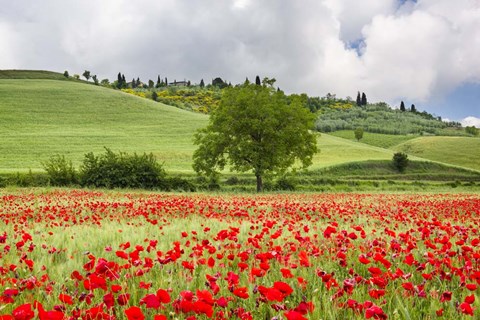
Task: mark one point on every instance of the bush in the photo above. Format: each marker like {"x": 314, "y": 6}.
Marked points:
{"x": 179, "y": 184}
{"x": 285, "y": 183}
{"x": 121, "y": 170}
{"x": 60, "y": 171}
{"x": 400, "y": 161}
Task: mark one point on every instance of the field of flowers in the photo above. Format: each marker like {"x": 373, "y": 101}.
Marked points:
{"x": 92, "y": 255}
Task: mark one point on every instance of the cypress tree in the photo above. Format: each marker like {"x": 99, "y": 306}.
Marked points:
{"x": 134, "y": 84}
{"x": 364, "y": 99}
{"x": 402, "y": 106}
{"x": 166, "y": 82}
{"x": 202, "y": 84}
{"x": 257, "y": 81}
{"x": 412, "y": 108}
{"x": 359, "y": 100}
{"x": 159, "y": 83}
{"x": 119, "y": 80}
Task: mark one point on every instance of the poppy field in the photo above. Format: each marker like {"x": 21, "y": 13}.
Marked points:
{"x": 76, "y": 254}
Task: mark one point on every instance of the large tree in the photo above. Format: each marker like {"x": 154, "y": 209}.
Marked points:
{"x": 256, "y": 128}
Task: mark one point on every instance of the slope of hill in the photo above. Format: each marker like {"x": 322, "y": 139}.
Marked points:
{"x": 335, "y": 150}
{"x": 459, "y": 151}
{"x": 40, "y": 118}
{"x": 375, "y": 139}
{"x": 380, "y": 118}
{"x": 33, "y": 74}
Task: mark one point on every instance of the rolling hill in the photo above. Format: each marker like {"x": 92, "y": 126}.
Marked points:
{"x": 458, "y": 151}
{"x": 42, "y": 117}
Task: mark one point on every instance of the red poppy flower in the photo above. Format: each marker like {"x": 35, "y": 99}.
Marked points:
{"x": 23, "y": 312}
{"x": 134, "y": 313}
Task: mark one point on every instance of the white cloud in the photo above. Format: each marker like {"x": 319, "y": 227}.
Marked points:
{"x": 421, "y": 50}
{"x": 471, "y": 121}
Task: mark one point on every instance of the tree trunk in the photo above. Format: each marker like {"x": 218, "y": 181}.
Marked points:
{"x": 259, "y": 183}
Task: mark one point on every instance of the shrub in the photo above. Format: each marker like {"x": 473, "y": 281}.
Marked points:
{"x": 60, "y": 171}
{"x": 400, "y": 161}
{"x": 358, "y": 133}
{"x": 285, "y": 183}
{"x": 180, "y": 184}
{"x": 121, "y": 170}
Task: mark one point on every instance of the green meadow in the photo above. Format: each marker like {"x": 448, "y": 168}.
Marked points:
{"x": 458, "y": 151}
{"x": 40, "y": 118}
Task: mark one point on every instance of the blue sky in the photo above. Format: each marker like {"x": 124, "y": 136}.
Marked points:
{"x": 423, "y": 52}
{"x": 462, "y": 102}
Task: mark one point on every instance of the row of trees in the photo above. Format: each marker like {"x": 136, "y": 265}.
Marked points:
{"x": 361, "y": 100}
{"x": 403, "y": 109}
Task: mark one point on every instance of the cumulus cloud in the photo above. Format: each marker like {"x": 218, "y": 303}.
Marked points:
{"x": 390, "y": 49}
{"x": 471, "y": 121}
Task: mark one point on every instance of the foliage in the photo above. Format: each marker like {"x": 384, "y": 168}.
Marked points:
{"x": 402, "y": 106}
{"x": 65, "y": 74}
{"x": 95, "y": 79}
{"x": 364, "y": 99}
{"x": 60, "y": 171}
{"x": 121, "y": 170}
{"x": 377, "y": 118}
{"x": 154, "y": 95}
{"x": 472, "y": 130}
{"x": 86, "y": 74}
{"x": 358, "y": 133}
{"x": 218, "y": 82}
{"x": 254, "y": 128}
{"x": 400, "y": 161}
{"x": 192, "y": 98}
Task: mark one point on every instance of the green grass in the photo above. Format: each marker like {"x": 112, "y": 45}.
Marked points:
{"x": 458, "y": 151}
{"x": 375, "y": 139}
{"x": 34, "y": 74}
{"x": 416, "y": 170}
{"x": 334, "y": 151}
{"x": 40, "y": 118}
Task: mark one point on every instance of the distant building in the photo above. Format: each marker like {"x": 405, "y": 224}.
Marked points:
{"x": 183, "y": 83}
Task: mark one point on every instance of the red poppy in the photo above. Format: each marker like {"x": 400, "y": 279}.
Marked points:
{"x": 134, "y": 313}
{"x": 23, "y": 312}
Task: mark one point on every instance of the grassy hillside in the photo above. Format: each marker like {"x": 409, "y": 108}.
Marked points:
{"x": 375, "y": 139}
{"x": 416, "y": 170}
{"x": 459, "y": 151}
{"x": 33, "y": 74}
{"x": 380, "y": 118}
{"x": 334, "y": 151}
{"x": 39, "y": 118}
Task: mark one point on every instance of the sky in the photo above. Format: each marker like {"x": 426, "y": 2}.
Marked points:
{"x": 423, "y": 52}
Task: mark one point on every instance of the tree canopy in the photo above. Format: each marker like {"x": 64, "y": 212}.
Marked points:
{"x": 256, "y": 128}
